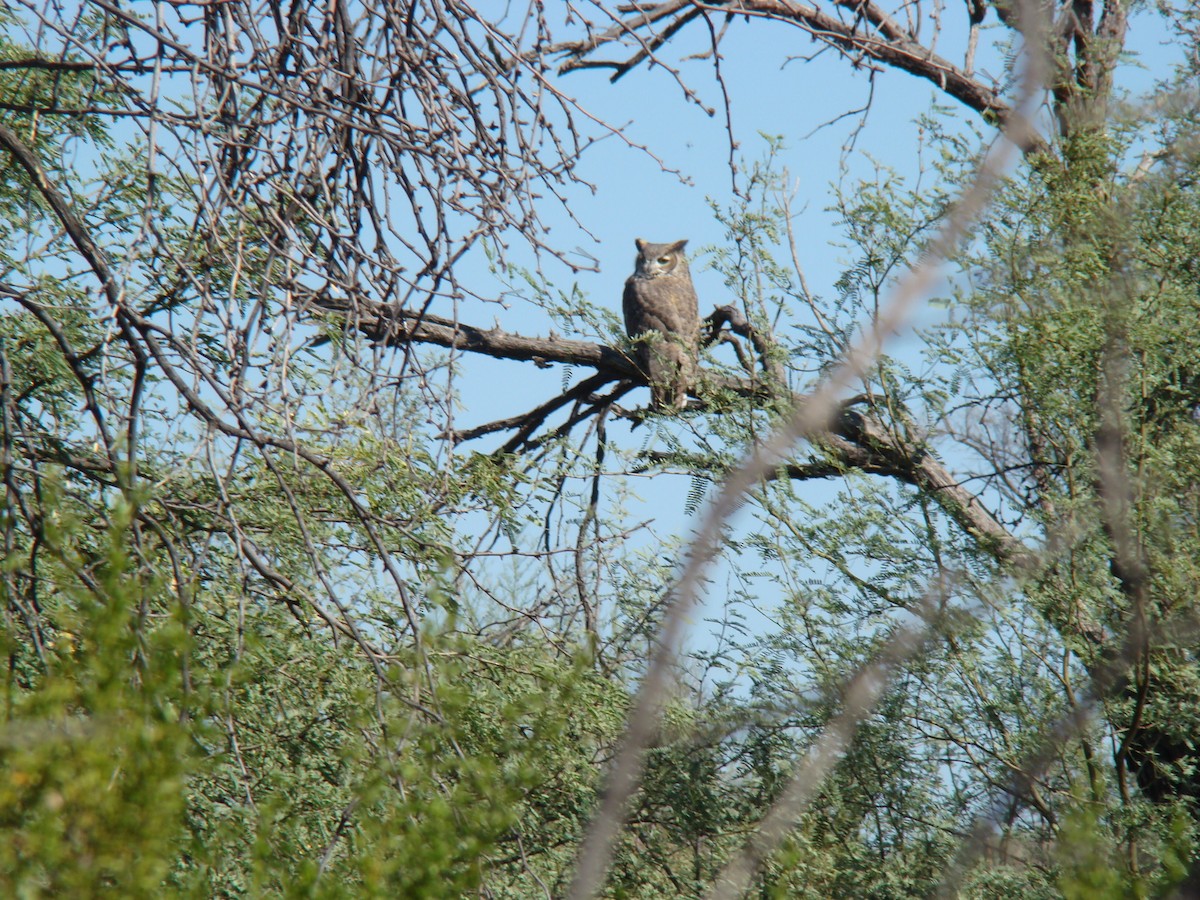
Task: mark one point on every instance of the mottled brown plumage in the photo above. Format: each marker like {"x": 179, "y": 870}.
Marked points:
{"x": 662, "y": 313}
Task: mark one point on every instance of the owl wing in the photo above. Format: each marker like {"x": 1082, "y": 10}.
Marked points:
{"x": 641, "y": 316}
{"x": 687, "y": 312}
{"x": 631, "y": 303}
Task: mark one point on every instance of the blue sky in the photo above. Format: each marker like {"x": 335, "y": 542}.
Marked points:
{"x": 635, "y": 198}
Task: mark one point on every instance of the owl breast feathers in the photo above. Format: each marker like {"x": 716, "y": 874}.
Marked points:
{"x": 662, "y": 314}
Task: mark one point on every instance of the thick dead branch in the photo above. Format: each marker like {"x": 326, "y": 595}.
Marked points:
{"x": 856, "y": 440}
{"x": 863, "y": 442}
{"x": 396, "y": 327}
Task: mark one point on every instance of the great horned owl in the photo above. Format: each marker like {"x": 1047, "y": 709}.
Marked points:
{"x": 661, "y": 310}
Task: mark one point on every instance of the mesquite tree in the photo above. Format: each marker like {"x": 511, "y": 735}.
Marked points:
{"x": 400, "y": 651}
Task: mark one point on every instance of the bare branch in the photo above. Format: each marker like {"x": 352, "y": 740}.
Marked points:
{"x": 394, "y": 327}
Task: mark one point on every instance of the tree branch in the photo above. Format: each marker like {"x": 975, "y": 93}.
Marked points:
{"x": 74, "y": 228}
{"x": 856, "y": 440}
{"x": 396, "y": 327}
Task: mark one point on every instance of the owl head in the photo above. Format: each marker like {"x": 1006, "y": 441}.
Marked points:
{"x": 654, "y": 260}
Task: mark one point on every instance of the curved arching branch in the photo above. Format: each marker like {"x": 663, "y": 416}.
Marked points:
{"x": 1083, "y": 44}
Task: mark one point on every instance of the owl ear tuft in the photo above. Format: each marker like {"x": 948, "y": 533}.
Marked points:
{"x": 678, "y": 246}
{"x": 640, "y": 243}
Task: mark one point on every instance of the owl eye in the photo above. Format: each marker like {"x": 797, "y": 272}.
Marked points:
{"x": 663, "y": 260}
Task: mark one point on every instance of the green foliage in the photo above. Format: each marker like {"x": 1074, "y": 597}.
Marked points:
{"x": 96, "y": 752}
{"x": 232, "y": 762}
{"x": 270, "y": 630}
